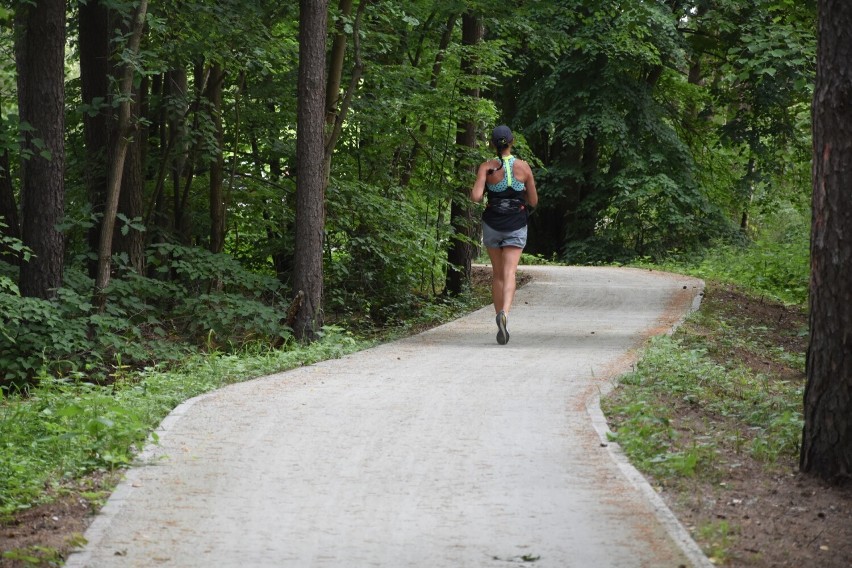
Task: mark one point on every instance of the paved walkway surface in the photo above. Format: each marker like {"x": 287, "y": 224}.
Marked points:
{"x": 440, "y": 450}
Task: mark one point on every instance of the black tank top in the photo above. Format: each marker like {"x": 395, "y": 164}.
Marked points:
{"x": 506, "y": 208}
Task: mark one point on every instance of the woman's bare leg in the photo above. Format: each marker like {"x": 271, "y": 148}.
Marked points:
{"x": 511, "y": 256}
{"x": 496, "y": 256}
{"x": 504, "y": 267}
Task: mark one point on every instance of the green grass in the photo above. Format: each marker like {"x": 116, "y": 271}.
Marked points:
{"x": 66, "y": 428}
{"x": 719, "y": 535}
{"x": 749, "y": 412}
{"x": 695, "y": 409}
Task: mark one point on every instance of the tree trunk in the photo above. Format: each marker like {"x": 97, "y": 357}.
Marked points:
{"x": 827, "y": 435}
{"x": 335, "y": 66}
{"x": 95, "y": 70}
{"x": 310, "y": 180}
{"x": 40, "y": 55}
{"x": 177, "y": 88}
{"x": 217, "y": 165}
{"x": 460, "y": 254}
{"x": 334, "y": 122}
{"x": 131, "y": 241}
{"x": 116, "y": 163}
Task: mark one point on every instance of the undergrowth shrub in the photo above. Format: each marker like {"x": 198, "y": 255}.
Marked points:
{"x": 778, "y": 269}
{"x": 197, "y": 300}
{"x": 776, "y": 263}
{"x": 379, "y": 268}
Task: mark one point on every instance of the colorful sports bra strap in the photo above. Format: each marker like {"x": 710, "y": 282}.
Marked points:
{"x": 507, "y": 163}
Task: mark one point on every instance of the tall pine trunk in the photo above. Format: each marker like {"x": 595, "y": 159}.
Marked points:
{"x": 460, "y": 254}
{"x": 310, "y": 176}
{"x": 827, "y": 436}
{"x": 95, "y": 69}
{"x": 40, "y": 55}
{"x": 217, "y": 164}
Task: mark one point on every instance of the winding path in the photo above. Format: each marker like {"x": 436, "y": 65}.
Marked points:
{"x": 440, "y": 450}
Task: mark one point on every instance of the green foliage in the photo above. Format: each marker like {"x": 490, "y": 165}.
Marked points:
{"x": 210, "y": 300}
{"x": 10, "y": 247}
{"x": 35, "y": 556}
{"x": 533, "y": 260}
{"x": 670, "y": 370}
{"x": 654, "y": 129}
{"x": 195, "y": 268}
{"x": 777, "y": 269}
{"x": 719, "y": 535}
{"x": 377, "y": 271}
{"x": 661, "y": 125}
{"x": 776, "y": 264}
{"x": 62, "y": 429}
{"x": 597, "y": 101}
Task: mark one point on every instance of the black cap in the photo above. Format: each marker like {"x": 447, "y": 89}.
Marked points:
{"x": 502, "y": 135}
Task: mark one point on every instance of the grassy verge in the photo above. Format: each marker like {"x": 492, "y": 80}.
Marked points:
{"x": 742, "y": 409}
{"x": 67, "y": 428}
{"x": 712, "y": 416}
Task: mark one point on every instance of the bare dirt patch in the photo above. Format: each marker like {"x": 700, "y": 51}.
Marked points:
{"x": 45, "y": 534}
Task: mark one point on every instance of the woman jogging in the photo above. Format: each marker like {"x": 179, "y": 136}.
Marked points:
{"x": 511, "y": 191}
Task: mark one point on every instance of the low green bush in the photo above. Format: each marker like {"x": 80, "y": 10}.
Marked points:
{"x": 196, "y": 300}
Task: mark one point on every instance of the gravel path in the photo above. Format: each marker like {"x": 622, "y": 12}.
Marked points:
{"x": 441, "y": 450}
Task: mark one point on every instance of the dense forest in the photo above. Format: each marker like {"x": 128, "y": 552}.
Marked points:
{"x": 198, "y": 191}
{"x": 150, "y": 165}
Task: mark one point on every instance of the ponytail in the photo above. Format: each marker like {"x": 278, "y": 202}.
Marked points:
{"x": 501, "y": 138}
{"x": 501, "y": 145}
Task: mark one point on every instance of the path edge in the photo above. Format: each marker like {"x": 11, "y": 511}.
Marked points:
{"x": 676, "y": 531}
{"x": 103, "y": 519}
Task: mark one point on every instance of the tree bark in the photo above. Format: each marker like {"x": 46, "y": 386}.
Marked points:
{"x": 95, "y": 69}
{"x": 217, "y": 165}
{"x": 176, "y": 90}
{"x": 335, "y": 126}
{"x": 460, "y": 253}
{"x": 130, "y": 200}
{"x": 40, "y": 55}
{"x": 335, "y": 66}
{"x": 827, "y": 435}
{"x": 116, "y": 163}
{"x": 310, "y": 180}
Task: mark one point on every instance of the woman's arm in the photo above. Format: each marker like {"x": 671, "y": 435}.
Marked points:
{"x": 478, "y": 189}
{"x": 529, "y": 183}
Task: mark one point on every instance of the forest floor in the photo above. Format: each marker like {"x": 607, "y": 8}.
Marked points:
{"x": 765, "y": 515}
{"x": 757, "y": 514}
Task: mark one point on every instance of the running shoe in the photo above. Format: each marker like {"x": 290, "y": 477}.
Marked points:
{"x": 502, "y": 332}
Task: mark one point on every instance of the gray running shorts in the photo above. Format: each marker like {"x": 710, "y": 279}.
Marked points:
{"x": 500, "y": 239}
